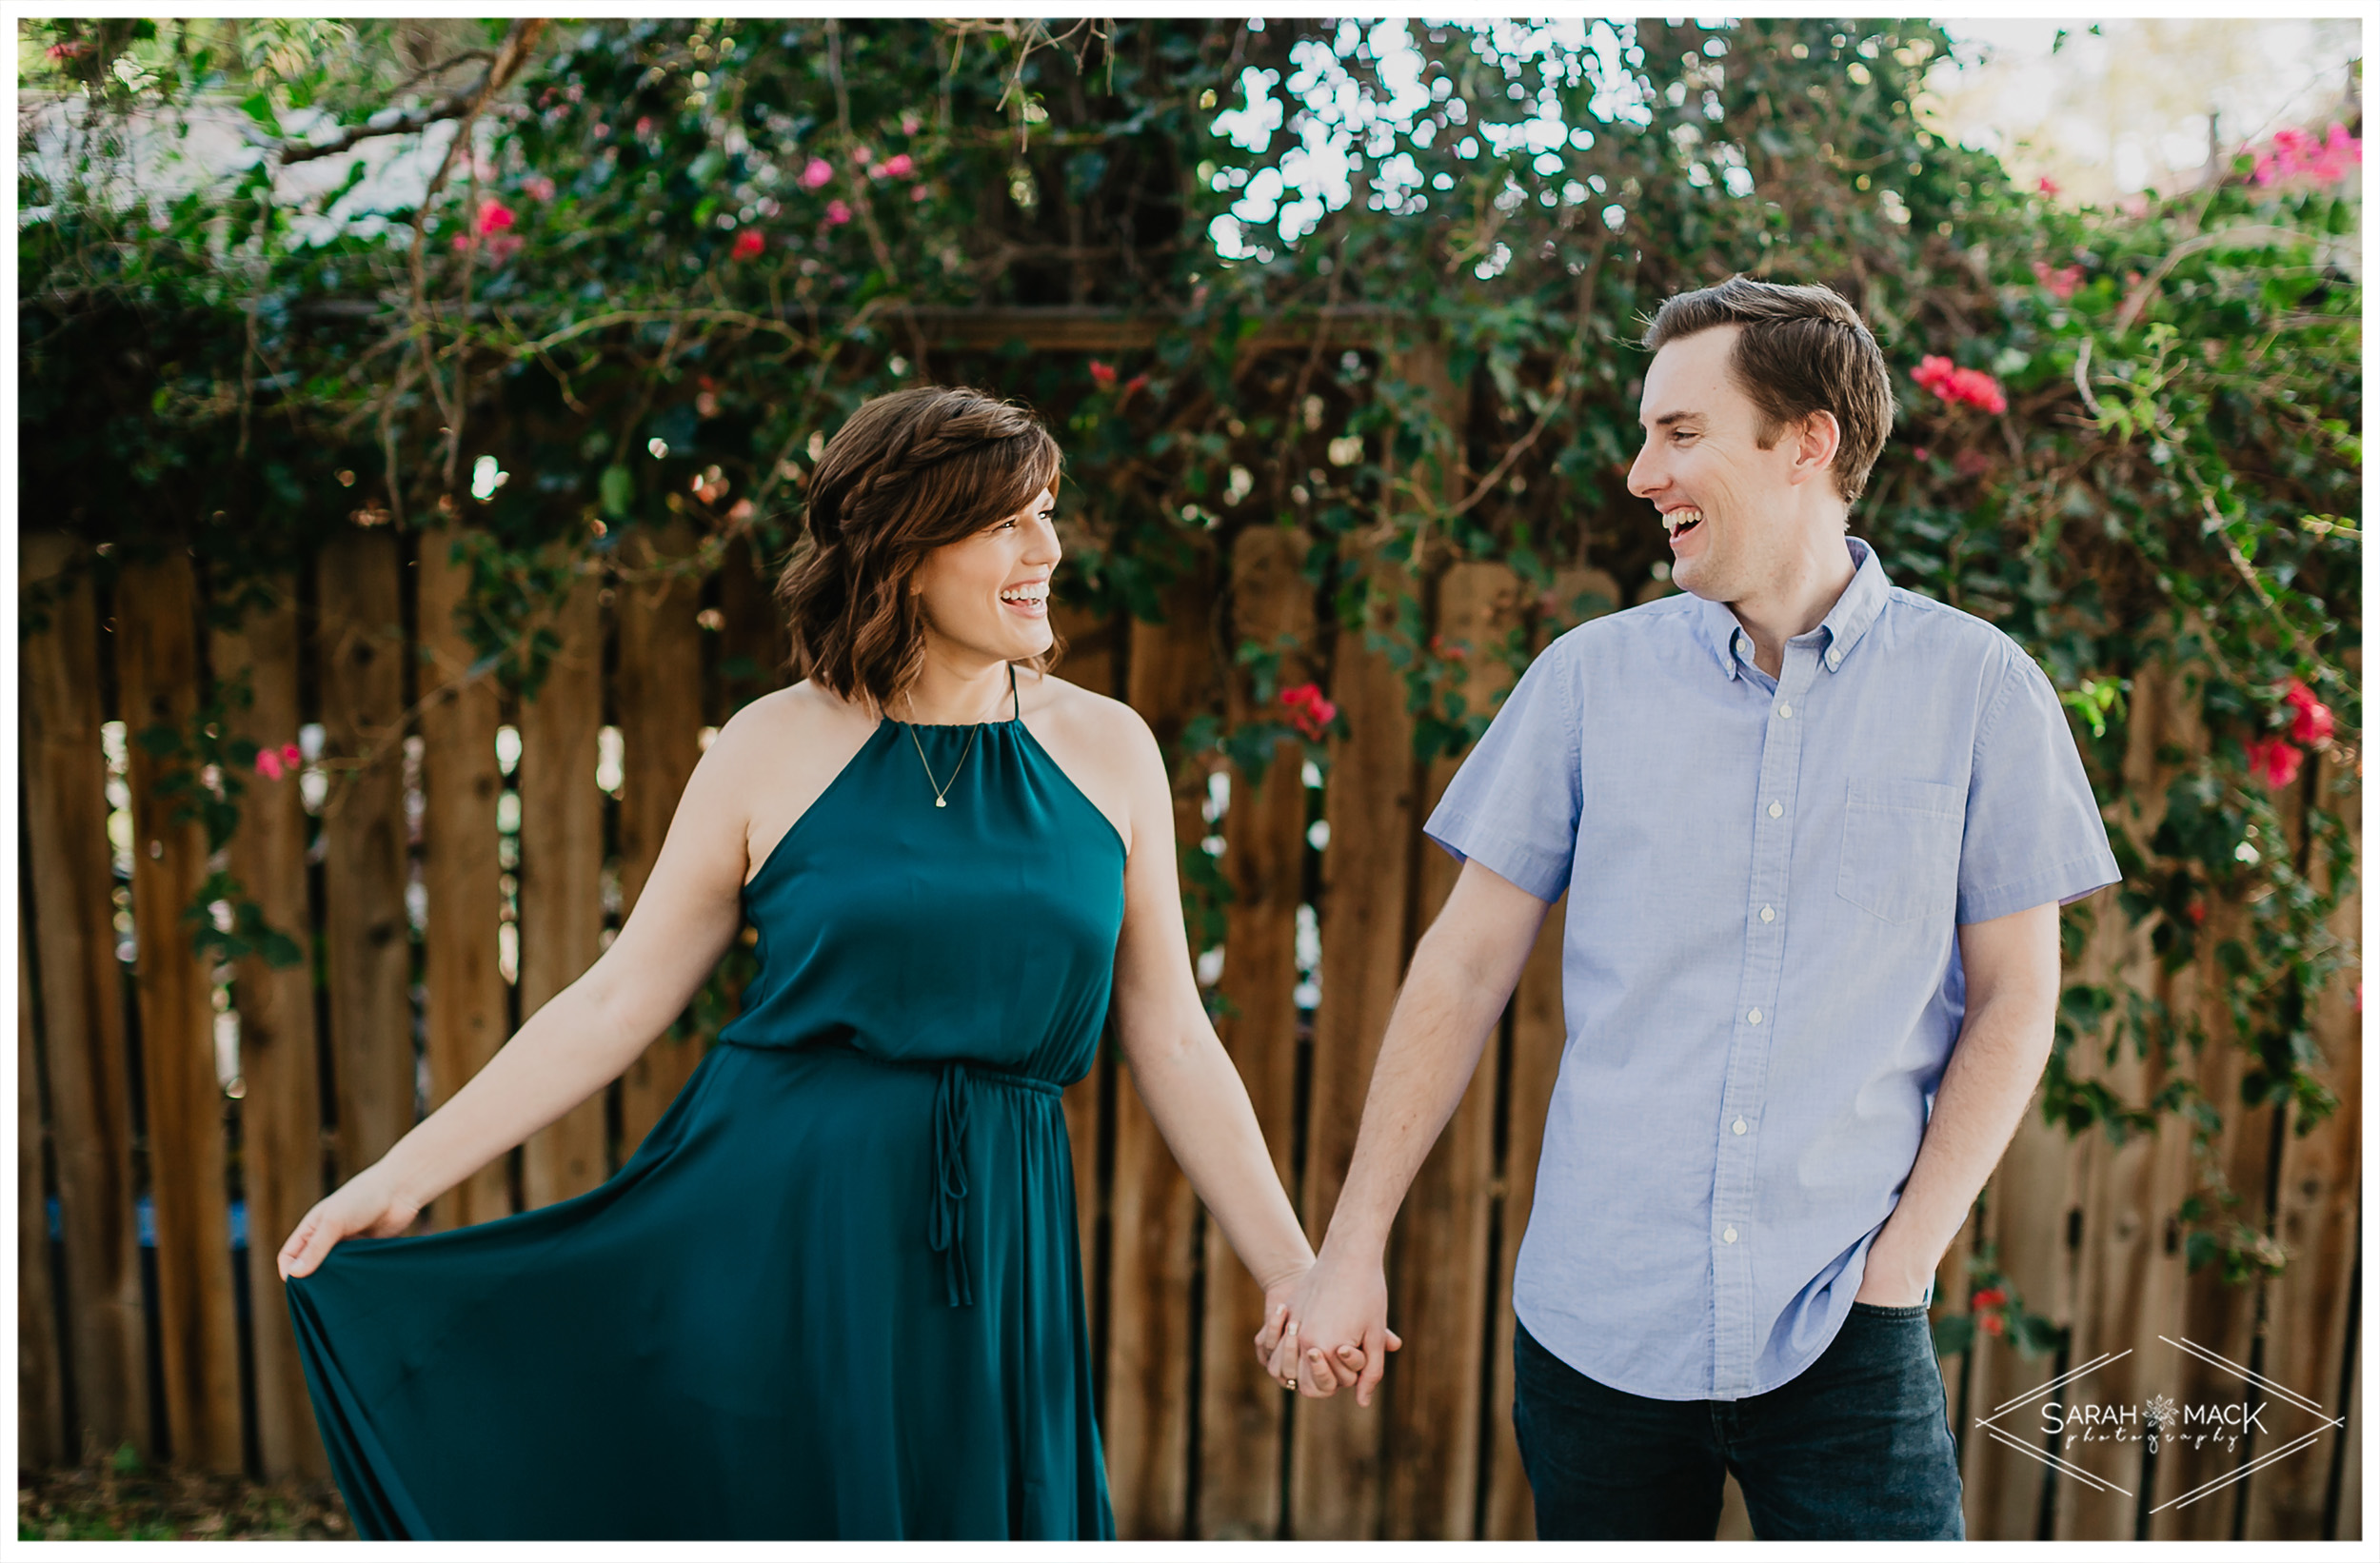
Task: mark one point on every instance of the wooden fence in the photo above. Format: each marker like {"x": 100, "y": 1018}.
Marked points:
{"x": 175, "y": 1121}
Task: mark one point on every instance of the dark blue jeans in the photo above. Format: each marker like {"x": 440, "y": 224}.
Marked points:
{"x": 1856, "y": 1448}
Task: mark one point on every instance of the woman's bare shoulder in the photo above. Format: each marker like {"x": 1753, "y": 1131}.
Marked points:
{"x": 781, "y": 752}
{"x": 1075, "y": 712}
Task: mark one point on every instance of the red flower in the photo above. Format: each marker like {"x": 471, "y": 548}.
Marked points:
{"x": 898, "y": 166}
{"x": 269, "y": 764}
{"x": 72, "y": 49}
{"x": 1990, "y": 1296}
{"x": 2274, "y": 762}
{"x": 494, "y": 217}
{"x": 837, "y": 213}
{"x": 2197, "y": 910}
{"x": 1994, "y": 1324}
{"x": 1952, "y": 384}
{"x": 2046, "y": 185}
{"x": 291, "y": 755}
{"x": 1103, "y": 375}
{"x": 748, "y": 244}
{"x": 2314, "y": 725}
{"x": 1308, "y": 711}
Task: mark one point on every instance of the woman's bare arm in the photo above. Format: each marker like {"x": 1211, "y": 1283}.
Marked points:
{"x": 585, "y": 1036}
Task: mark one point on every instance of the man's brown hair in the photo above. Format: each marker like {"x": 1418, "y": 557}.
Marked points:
{"x": 1803, "y": 349}
{"x": 908, "y": 473}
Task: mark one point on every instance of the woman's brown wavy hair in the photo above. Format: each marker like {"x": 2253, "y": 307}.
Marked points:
{"x": 908, "y": 473}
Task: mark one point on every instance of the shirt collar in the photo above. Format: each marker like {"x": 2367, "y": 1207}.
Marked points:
{"x": 1844, "y": 625}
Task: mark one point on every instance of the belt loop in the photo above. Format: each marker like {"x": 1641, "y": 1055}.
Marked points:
{"x": 946, "y": 1225}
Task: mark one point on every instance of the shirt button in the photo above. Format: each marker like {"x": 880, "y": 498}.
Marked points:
{"x": 1753, "y": 1016}
{"x": 1768, "y": 914}
{"x": 1777, "y": 811}
{"x": 1740, "y": 1127}
{"x": 1728, "y": 1237}
{"x": 1833, "y": 659}
{"x": 1785, "y": 709}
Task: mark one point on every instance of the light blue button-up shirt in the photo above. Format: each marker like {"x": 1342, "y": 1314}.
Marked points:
{"x": 1761, "y": 971}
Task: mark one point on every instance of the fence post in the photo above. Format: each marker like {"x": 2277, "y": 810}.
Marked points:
{"x": 368, "y": 942}
{"x": 40, "y": 1395}
{"x": 464, "y": 995}
{"x": 656, "y": 698}
{"x": 280, "y": 1117}
{"x": 82, "y": 995}
{"x": 1242, "y": 1415}
{"x": 157, "y": 650}
{"x": 1147, "y": 1432}
{"x": 562, "y": 866}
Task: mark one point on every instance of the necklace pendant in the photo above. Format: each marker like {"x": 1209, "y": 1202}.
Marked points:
{"x": 939, "y": 804}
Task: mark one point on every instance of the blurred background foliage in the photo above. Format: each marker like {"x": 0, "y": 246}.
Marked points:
{"x": 564, "y": 281}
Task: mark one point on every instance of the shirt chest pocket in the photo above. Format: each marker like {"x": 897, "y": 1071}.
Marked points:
{"x": 1900, "y": 848}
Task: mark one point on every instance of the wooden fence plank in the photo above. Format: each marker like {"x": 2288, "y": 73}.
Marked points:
{"x": 1335, "y": 1475}
{"x": 658, "y": 701}
{"x": 562, "y": 865}
{"x": 281, "y": 1119}
{"x": 157, "y": 652}
{"x": 1089, "y": 662}
{"x": 1242, "y": 1418}
{"x": 82, "y": 991}
{"x": 2130, "y": 1287}
{"x": 367, "y": 944}
{"x": 1539, "y": 1035}
{"x": 40, "y": 1395}
{"x": 1155, "y": 1212}
{"x": 2321, "y": 1176}
{"x": 1438, "y": 1283}
{"x": 1334, "y": 1460}
{"x": 461, "y": 871}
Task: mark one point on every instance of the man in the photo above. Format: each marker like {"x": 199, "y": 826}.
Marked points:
{"x": 1815, "y": 831}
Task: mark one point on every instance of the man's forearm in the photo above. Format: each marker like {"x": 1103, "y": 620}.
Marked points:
{"x": 1984, "y": 1090}
{"x": 1435, "y": 1036}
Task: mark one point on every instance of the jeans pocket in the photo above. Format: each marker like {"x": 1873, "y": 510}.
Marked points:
{"x": 1900, "y": 847}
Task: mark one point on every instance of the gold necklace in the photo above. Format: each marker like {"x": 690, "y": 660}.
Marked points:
{"x": 944, "y": 788}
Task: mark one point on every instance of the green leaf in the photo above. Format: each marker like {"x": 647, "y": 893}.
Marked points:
{"x": 617, "y": 489}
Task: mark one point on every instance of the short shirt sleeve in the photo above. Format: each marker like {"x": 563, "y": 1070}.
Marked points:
{"x": 1513, "y": 805}
{"x": 2033, "y": 830}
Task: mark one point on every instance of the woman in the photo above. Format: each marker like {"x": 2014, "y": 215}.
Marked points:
{"x": 837, "y": 1291}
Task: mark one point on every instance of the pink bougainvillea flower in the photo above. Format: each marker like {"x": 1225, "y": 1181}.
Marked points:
{"x": 1103, "y": 375}
{"x": 292, "y": 755}
{"x": 2296, "y": 153}
{"x": 2314, "y": 725}
{"x": 269, "y": 764}
{"x": 815, "y": 173}
{"x": 1308, "y": 711}
{"x": 74, "y": 48}
{"x": 837, "y": 213}
{"x": 645, "y": 125}
{"x": 748, "y": 244}
{"x": 2274, "y": 762}
{"x": 910, "y": 124}
{"x": 504, "y": 246}
{"x": 918, "y": 192}
{"x": 2061, "y": 281}
{"x": 860, "y": 155}
{"x": 494, "y": 217}
{"x": 898, "y": 166}
{"x": 2046, "y": 185}
{"x": 1133, "y": 386}
{"x": 538, "y": 187}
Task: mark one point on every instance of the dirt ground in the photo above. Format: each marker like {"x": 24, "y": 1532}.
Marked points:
{"x": 121, "y": 1501}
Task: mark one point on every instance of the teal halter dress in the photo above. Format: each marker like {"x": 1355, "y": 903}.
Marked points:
{"x": 837, "y": 1291}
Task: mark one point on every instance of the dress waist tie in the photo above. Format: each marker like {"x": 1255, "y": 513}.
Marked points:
{"x": 946, "y": 1223}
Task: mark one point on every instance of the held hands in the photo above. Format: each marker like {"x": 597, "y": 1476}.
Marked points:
{"x": 367, "y": 1205}
{"x": 1325, "y": 1330}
